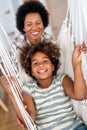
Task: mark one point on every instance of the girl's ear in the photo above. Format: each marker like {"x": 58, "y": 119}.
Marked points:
{"x": 24, "y": 30}
{"x": 32, "y": 74}
{"x": 52, "y": 67}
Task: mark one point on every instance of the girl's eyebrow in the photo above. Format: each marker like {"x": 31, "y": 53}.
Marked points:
{"x": 33, "y": 60}
{"x": 42, "y": 57}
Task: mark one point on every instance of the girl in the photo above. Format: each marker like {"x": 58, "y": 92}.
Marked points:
{"x": 47, "y": 95}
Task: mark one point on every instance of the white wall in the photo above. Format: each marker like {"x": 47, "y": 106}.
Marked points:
{"x": 48, "y": 29}
{"x": 7, "y": 16}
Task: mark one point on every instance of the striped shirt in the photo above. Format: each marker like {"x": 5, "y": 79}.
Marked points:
{"x": 54, "y": 109}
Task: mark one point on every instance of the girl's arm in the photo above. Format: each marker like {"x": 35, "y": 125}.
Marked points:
{"x": 6, "y": 85}
{"x": 77, "y": 89}
{"x": 30, "y": 105}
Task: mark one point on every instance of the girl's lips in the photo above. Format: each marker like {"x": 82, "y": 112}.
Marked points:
{"x": 42, "y": 71}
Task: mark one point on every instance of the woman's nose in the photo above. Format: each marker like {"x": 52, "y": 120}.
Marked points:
{"x": 34, "y": 26}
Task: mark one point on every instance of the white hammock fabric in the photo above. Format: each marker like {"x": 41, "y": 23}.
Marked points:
{"x": 66, "y": 44}
{"x": 74, "y": 31}
{"x": 8, "y": 70}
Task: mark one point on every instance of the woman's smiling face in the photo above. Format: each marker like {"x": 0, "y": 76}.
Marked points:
{"x": 33, "y": 27}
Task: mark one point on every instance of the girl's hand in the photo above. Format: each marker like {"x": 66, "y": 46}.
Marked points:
{"x": 5, "y": 84}
{"x": 77, "y": 53}
{"x": 83, "y": 47}
{"x": 21, "y": 122}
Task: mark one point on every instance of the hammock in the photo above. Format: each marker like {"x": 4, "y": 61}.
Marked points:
{"x": 8, "y": 69}
{"x": 72, "y": 33}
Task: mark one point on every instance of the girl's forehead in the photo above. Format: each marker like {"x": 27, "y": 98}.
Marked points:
{"x": 40, "y": 55}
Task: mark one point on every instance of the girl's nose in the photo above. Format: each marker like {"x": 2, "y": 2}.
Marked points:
{"x": 40, "y": 64}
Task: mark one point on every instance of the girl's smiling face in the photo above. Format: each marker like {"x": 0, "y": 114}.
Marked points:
{"x": 41, "y": 66}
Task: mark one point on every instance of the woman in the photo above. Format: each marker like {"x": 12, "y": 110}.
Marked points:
{"x": 31, "y": 20}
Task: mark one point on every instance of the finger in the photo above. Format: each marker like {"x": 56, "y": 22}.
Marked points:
{"x": 84, "y": 48}
{"x": 12, "y": 78}
{"x": 83, "y": 43}
{"x": 25, "y": 106}
{"x": 4, "y": 79}
{"x": 20, "y": 123}
{"x": 77, "y": 48}
{"x": 1, "y": 74}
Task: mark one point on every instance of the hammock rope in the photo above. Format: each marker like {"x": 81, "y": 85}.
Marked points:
{"x": 8, "y": 69}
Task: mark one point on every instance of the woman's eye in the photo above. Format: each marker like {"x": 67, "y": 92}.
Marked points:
{"x": 38, "y": 23}
{"x": 29, "y": 24}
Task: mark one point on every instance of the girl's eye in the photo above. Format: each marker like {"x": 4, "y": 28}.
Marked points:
{"x": 45, "y": 60}
{"x": 34, "y": 63}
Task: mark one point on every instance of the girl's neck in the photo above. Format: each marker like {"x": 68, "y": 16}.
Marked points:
{"x": 44, "y": 83}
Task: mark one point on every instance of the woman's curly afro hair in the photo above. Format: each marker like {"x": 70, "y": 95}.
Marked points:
{"x": 32, "y": 6}
{"x": 50, "y": 49}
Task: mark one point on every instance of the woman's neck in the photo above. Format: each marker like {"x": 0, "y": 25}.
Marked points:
{"x": 33, "y": 42}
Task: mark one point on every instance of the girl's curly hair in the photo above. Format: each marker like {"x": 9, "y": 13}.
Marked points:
{"x": 50, "y": 49}
{"x": 32, "y": 6}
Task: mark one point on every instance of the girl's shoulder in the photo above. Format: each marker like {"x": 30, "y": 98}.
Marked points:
{"x": 29, "y": 87}
{"x": 30, "y": 83}
{"x": 60, "y": 77}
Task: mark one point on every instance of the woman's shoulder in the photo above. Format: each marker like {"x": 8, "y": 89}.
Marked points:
{"x": 48, "y": 37}
{"x": 19, "y": 40}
